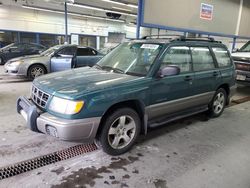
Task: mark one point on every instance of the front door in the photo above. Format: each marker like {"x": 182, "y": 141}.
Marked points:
{"x": 171, "y": 94}
{"x": 63, "y": 59}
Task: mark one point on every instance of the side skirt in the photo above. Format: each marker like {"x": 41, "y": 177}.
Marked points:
{"x": 164, "y": 120}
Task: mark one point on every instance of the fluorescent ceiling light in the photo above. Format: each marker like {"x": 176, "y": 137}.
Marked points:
{"x": 71, "y": 13}
{"x": 118, "y": 8}
{"x": 101, "y": 9}
{"x": 120, "y": 3}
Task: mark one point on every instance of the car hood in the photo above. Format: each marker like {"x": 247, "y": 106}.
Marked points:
{"x": 22, "y": 58}
{"x": 75, "y": 83}
{"x": 241, "y": 55}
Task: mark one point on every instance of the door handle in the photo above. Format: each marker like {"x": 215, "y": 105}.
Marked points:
{"x": 188, "y": 78}
{"x": 215, "y": 74}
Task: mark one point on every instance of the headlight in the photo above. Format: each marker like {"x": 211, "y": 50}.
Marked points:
{"x": 15, "y": 63}
{"x": 65, "y": 106}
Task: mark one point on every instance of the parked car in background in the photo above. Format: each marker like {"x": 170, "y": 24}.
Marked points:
{"x": 57, "y": 58}
{"x": 19, "y": 49}
{"x": 241, "y": 59}
{"x": 138, "y": 85}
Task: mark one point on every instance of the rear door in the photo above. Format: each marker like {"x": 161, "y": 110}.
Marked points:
{"x": 87, "y": 57}
{"x": 207, "y": 76}
{"x": 63, "y": 59}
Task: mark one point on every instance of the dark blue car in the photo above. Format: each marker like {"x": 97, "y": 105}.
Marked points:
{"x": 19, "y": 49}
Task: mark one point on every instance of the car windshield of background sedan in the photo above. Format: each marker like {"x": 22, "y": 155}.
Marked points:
{"x": 245, "y": 48}
{"x": 51, "y": 50}
{"x": 131, "y": 58}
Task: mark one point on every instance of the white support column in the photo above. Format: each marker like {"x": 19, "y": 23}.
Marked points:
{"x": 98, "y": 42}
{"x": 239, "y": 18}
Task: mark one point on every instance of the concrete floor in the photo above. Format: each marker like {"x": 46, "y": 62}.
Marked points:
{"x": 194, "y": 152}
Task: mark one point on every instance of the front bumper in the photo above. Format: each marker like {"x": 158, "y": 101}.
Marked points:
{"x": 15, "y": 71}
{"x": 243, "y": 77}
{"x": 64, "y": 129}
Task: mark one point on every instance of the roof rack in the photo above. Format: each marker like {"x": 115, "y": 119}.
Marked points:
{"x": 181, "y": 38}
{"x": 205, "y": 39}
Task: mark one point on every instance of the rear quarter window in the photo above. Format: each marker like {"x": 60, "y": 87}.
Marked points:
{"x": 222, "y": 57}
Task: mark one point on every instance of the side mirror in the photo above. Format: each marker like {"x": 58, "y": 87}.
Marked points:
{"x": 170, "y": 70}
{"x": 235, "y": 50}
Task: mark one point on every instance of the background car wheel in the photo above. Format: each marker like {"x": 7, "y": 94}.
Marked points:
{"x": 35, "y": 71}
{"x": 120, "y": 131}
{"x": 218, "y": 103}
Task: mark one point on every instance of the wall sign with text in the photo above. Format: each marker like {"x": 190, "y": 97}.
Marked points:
{"x": 206, "y": 12}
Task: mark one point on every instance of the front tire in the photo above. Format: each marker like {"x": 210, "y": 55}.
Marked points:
{"x": 120, "y": 131}
{"x": 218, "y": 103}
{"x": 36, "y": 70}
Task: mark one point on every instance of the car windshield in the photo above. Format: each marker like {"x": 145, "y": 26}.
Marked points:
{"x": 8, "y": 46}
{"x": 51, "y": 50}
{"x": 245, "y": 48}
{"x": 130, "y": 58}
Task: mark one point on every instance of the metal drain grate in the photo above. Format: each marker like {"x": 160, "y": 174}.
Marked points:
{"x": 44, "y": 160}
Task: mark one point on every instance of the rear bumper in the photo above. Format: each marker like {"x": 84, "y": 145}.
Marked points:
{"x": 64, "y": 129}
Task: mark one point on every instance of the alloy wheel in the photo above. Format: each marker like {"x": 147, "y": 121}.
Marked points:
{"x": 121, "y": 132}
{"x": 219, "y": 103}
{"x": 36, "y": 71}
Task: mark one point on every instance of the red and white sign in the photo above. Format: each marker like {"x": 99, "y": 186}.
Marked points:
{"x": 206, "y": 12}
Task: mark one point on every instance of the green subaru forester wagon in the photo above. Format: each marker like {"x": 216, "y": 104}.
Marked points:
{"x": 140, "y": 84}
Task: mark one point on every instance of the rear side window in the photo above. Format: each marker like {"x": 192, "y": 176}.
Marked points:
{"x": 85, "y": 52}
{"x": 222, "y": 57}
{"x": 202, "y": 59}
{"x": 178, "y": 56}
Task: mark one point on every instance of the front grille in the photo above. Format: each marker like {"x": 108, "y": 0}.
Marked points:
{"x": 242, "y": 66}
{"x": 39, "y": 97}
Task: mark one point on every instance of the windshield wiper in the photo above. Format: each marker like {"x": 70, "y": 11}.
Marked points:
{"x": 114, "y": 69}
{"x": 98, "y": 66}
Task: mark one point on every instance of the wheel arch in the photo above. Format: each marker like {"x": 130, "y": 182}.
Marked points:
{"x": 136, "y": 105}
{"x": 31, "y": 65}
{"x": 227, "y": 89}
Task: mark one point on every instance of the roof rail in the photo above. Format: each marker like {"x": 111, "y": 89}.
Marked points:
{"x": 166, "y": 36}
{"x": 205, "y": 39}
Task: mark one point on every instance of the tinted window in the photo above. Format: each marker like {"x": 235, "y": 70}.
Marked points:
{"x": 202, "y": 58}
{"x": 222, "y": 57}
{"x": 67, "y": 51}
{"x": 179, "y": 56}
{"x": 85, "y": 52}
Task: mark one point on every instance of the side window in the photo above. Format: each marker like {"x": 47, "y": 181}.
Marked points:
{"x": 83, "y": 52}
{"x": 92, "y": 52}
{"x": 179, "y": 56}
{"x": 202, "y": 58}
{"x": 222, "y": 57}
{"x": 67, "y": 51}
{"x": 18, "y": 48}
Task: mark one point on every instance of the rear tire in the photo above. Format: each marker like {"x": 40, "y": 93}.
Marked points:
{"x": 120, "y": 131}
{"x": 36, "y": 70}
{"x": 218, "y": 103}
